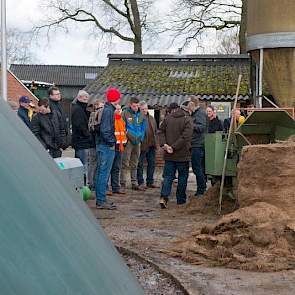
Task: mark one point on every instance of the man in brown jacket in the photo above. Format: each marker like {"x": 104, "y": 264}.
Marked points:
{"x": 148, "y": 149}
{"x": 175, "y": 135}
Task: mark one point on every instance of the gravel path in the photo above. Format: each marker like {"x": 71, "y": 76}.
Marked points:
{"x": 152, "y": 281}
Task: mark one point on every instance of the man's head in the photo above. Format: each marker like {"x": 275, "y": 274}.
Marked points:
{"x": 113, "y": 96}
{"x": 237, "y": 113}
{"x": 143, "y": 108}
{"x": 24, "y": 101}
{"x": 118, "y": 109}
{"x": 193, "y": 104}
{"x": 54, "y": 93}
{"x": 134, "y": 104}
{"x": 43, "y": 105}
{"x": 173, "y": 107}
{"x": 211, "y": 112}
{"x": 83, "y": 96}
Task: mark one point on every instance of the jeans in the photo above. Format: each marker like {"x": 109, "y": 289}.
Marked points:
{"x": 105, "y": 158}
{"x": 88, "y": 159}
{"x": 170, "y": 169}
{"x": 115, "y": 172}
{"x": 150, "y": 156}
{"x": 198, "y": 154}
{"x": 130, "y": 162}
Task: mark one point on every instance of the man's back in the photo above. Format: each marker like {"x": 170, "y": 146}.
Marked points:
{"x": 176, "y": 131}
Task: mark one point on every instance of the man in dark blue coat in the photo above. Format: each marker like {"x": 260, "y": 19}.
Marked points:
{"x": 105, "y": 147}
{"x": 23, "y": 111}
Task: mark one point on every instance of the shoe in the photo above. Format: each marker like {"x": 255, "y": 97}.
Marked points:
{"x": 109, "y": 193}
{"x": 163, "y": 203}
{"x": 152, "y": 186}
{"x": 120, "y": 192}
{"x": 106, "y": 206}
{"x": 138, "y": 188}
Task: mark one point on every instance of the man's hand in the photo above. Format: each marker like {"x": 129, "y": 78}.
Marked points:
{"x": 168, "y": 148}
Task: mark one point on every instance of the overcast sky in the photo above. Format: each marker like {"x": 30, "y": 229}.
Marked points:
{"x": 76, "y": 47}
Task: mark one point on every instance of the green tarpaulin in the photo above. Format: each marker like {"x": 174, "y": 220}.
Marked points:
{"x": 49, "y": 241}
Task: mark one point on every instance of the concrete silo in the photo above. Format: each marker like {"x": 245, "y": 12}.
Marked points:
{"x": 271, "y": 42}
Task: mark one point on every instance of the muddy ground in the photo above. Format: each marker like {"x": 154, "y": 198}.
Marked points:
{"x": 141, "y": 226}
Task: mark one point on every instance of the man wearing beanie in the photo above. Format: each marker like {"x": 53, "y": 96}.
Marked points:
{"x": 105, "y": 147}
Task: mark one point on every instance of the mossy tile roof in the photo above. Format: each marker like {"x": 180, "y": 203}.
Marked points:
{"x": 161, "y": 81}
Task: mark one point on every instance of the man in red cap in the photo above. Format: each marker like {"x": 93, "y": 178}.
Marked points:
{"x": 105, "y": 147}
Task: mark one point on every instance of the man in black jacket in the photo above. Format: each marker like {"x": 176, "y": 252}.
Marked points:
{"x": 82, "y": 140}
{"x": 45, "y": 127}
{"x": 55, "y": 106}
{"x": 214, "y": 123}
{"x": 200, "y": 125}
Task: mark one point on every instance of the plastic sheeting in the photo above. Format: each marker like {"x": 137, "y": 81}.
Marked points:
{"x": 50, "y": 243}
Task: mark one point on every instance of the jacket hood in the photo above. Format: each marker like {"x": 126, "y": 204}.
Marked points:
{"x": 178, "y": 114}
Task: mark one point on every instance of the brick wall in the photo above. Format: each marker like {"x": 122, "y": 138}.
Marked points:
{"x": 15, "y": 89}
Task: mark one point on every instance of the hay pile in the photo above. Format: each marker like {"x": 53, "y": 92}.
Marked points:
{"x": 209, "y": 203}
{"x": 258, "y": 238}
{"x": 267, "y": 174}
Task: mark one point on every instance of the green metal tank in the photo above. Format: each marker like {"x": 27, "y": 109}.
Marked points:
{"x": 271, "y": 27}
{"x": 50, "y": 241}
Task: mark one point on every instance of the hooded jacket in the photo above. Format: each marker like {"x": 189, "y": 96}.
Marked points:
{"x": 106, "y": 133}
{"x": 46, "y": 128}
{"x": 23, "y": 113}
{"x": 176, "y": 130}
{"x": 135, "y": 126}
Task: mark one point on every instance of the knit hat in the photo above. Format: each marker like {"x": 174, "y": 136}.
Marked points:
{"x": 113, "y": 95}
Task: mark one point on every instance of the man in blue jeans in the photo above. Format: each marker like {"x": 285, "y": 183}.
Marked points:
{"x": 105, "y": 147}
{"x": 200, "y": 126}
{"x": 147, "y": 149}
{"x": 175, "y": 134}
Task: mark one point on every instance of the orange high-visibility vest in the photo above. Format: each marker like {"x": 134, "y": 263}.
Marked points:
{"x": 120, "y": 132}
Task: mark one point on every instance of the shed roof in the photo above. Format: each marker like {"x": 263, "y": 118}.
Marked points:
{"x": 60, "y": 75}
{"x": 162, "y": 79}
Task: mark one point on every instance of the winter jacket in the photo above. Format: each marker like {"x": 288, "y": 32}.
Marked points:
{"x": 106, "y": 134}
{"x": 81, "y": 137}
{"x": 150, "y": 138}
{"x": 23, "y": 113}
{"x": 46, "y": 128}
{"x": 135, "y": 126}
{"x": 65, "y": 136}
{"x": 214, "y": 125}
{"x": 200, "y": 126}
{"x": 176, "y": 130}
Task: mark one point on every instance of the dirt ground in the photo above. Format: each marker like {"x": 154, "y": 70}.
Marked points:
{"x": 141, "y": 226}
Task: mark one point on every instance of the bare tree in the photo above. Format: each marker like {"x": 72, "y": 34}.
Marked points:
{"x": 196, "y": 17}
{"x": 125, "y": 19}
{"x": 229, "y": 43}
{"x": 18, "y": 46}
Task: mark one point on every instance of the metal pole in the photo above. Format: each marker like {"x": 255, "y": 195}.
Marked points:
{"x": 3, "y": 51}
{"x": 261, "y": 59}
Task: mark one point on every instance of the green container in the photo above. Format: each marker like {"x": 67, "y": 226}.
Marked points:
{"x": 215, "y": 144}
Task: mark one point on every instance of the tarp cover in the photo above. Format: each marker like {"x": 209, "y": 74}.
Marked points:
{"x": 50, "y": 243}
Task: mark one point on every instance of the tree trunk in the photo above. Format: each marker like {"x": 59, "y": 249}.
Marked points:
{"x": 243, "y": 27}
{"x": 137, "y": 27}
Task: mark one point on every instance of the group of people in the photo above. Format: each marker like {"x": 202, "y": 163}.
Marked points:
{"x": 113, "y": 143}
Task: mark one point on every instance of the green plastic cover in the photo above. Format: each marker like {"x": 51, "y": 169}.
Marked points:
{"x": 50, "y": 243}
